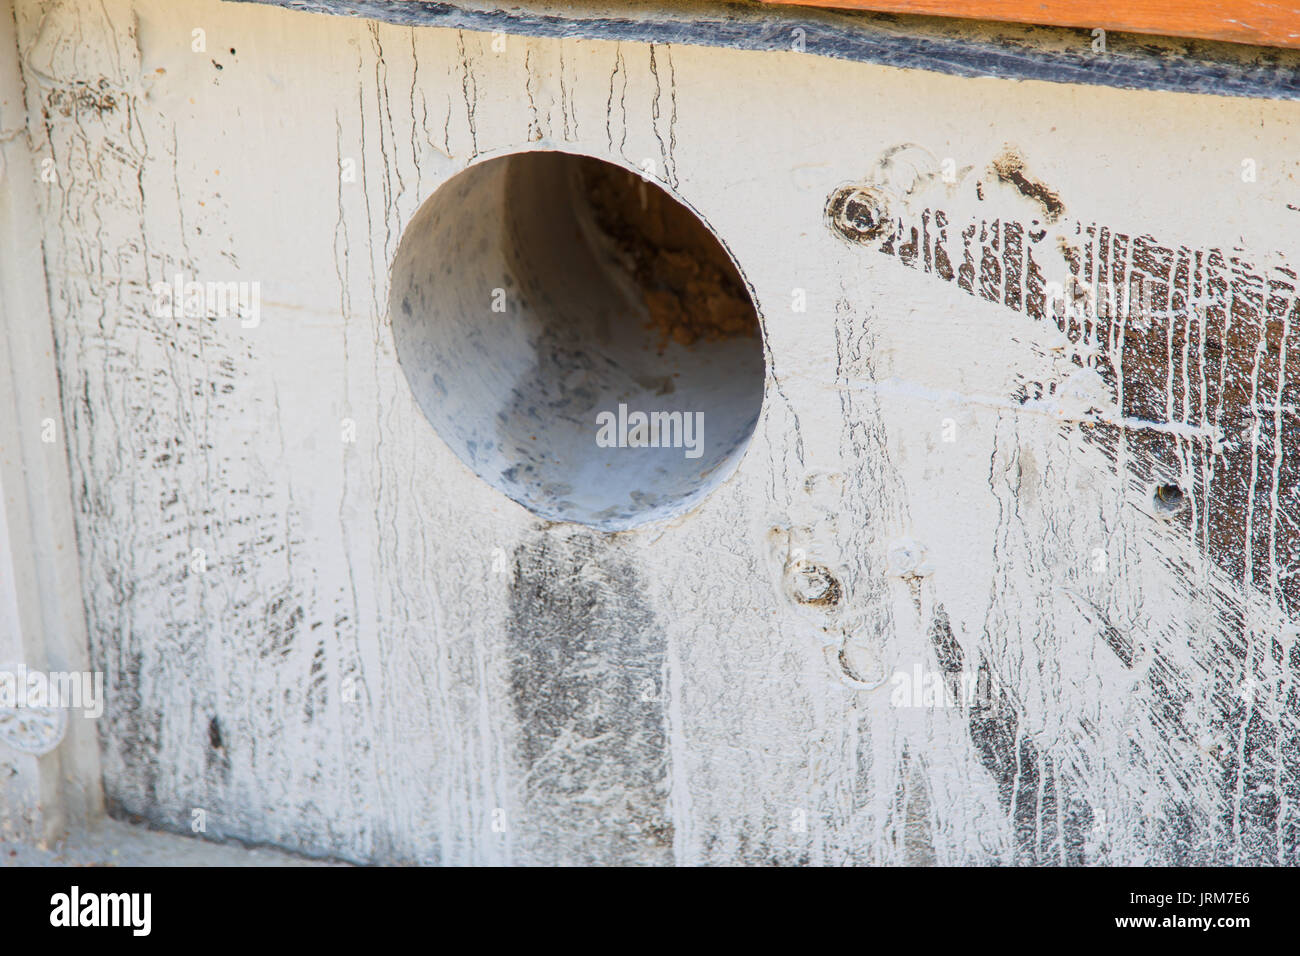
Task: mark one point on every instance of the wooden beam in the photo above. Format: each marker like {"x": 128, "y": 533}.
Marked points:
{"x": 1238, "y": 21}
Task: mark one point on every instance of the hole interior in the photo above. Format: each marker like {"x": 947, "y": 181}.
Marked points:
{"x": 540, "y": 300}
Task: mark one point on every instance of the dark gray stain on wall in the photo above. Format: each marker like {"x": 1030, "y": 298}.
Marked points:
{"x": 1047, "y": 829}
{"x": 586, "y": 674}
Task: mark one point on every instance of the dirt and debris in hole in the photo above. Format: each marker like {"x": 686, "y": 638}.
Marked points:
{"x": 692, "y": 290}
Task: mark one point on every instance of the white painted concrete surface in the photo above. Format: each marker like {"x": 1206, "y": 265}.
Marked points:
{"x": 323, "y": 631}
{"x": 42, "y": 620}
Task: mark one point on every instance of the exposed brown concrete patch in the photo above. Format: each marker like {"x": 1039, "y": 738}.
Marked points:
{"x": 1009, "y": 168}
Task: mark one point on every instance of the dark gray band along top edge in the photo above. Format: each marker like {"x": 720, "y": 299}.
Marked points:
{"x": 1131, "y": 62}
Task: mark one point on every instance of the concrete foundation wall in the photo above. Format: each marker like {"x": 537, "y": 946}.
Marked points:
{"x": 939, "y": 613}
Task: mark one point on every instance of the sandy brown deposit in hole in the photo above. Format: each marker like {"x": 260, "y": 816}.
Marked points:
{"x": 690, "y": 285}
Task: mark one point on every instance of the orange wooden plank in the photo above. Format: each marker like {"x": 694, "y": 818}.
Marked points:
{"x": 1238, "y": 21}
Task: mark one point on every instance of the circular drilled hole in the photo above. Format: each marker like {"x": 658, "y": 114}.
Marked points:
{"x": 542, "y": 302}
{"x": 1168, "y": 499}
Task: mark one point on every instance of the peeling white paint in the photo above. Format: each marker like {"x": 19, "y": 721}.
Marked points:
{"x": 289, "y": 579}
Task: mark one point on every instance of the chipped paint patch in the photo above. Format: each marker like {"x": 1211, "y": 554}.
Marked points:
{"x": 1009, "y": 168}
